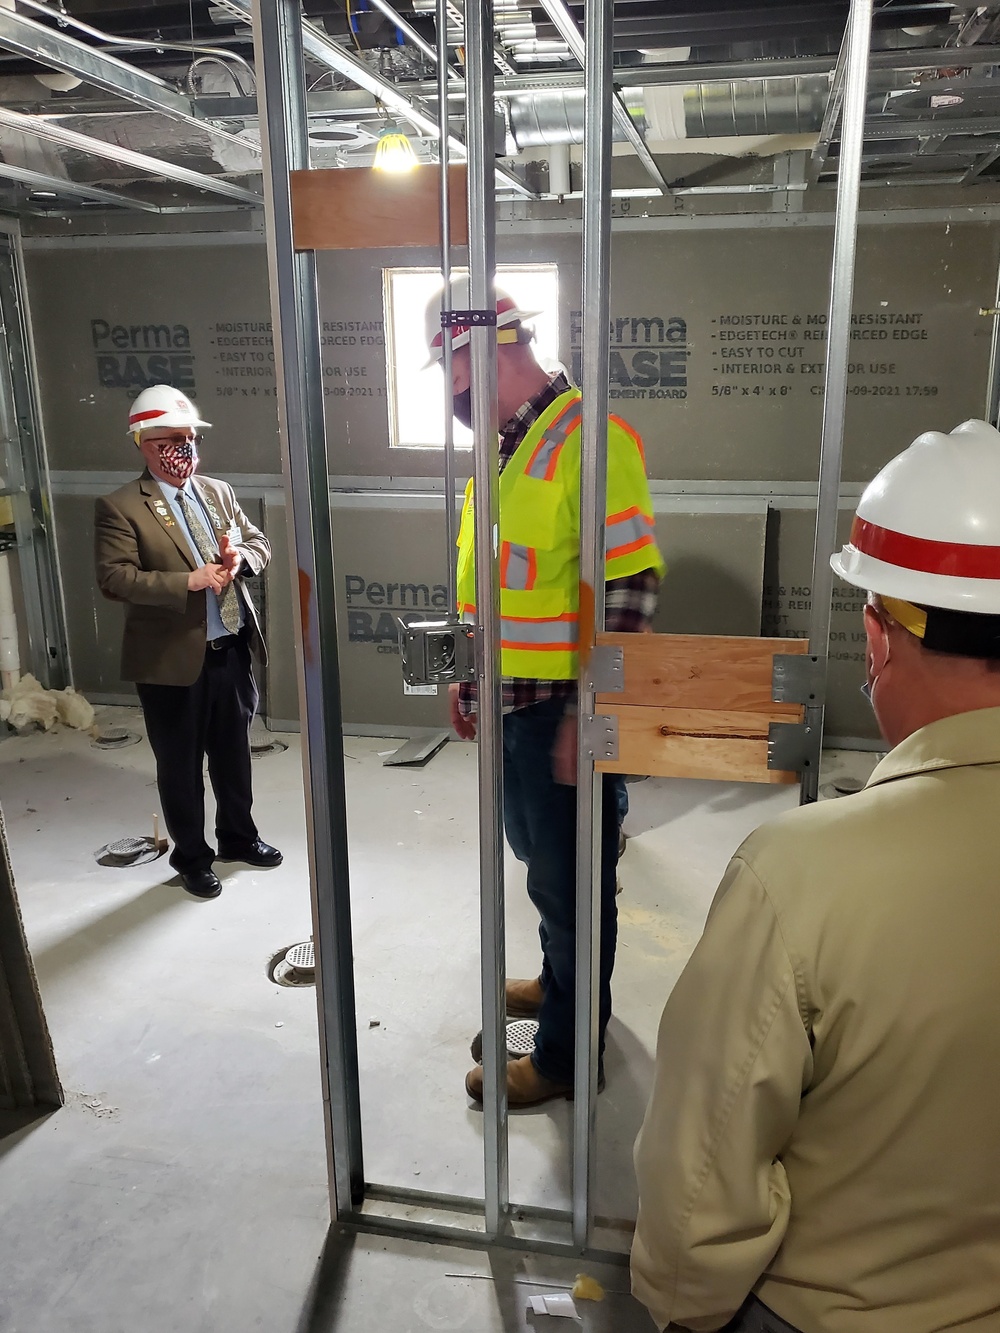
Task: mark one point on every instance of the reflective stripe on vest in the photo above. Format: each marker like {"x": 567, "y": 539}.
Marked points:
{"x": 544, "y": 461}
{"x": 629, "y": 531}
{"x": 518, "y": 566}
{"x": 559, "y": 634}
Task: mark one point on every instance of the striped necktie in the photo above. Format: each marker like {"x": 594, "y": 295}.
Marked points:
{"x": 229, "y": 602}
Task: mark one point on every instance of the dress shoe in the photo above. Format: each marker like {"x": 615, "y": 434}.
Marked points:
{"x": 524, "y": 998}
{"x": 258, "y": 853}
{"x": 201, "y": 883}
{"x": 525, "y": 1085}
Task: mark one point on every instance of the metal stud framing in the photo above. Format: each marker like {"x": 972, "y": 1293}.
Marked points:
{"x": 857, "y": 43}
{"x": 279, "y": 45}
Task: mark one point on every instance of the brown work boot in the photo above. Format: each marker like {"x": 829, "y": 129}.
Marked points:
{"x": 525, "y": 1085}
{"x": 524, "y": 998}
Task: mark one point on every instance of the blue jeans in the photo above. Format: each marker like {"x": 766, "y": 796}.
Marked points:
{"x": 540, "y": 823}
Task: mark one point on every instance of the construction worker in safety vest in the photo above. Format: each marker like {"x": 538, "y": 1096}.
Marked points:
{"x": 539, "y": 414}
{"x": 820, "y": 1150}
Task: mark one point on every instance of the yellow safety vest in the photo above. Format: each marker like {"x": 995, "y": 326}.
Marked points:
{"x": 540, "y": 539}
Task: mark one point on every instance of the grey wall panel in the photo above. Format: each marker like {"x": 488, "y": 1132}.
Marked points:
{"x": 93, "y": 624}
{"x": 388, "y": 560}
{"x": 715, "y": 573}
{"x": 282, "y": 687}
{"x": 717, "y": 340}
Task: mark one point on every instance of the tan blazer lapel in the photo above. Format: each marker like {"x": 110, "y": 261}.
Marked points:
{"x": 160, "y": 510}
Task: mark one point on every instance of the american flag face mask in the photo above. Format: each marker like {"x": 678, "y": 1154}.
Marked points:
{"x": 178, "y": 458}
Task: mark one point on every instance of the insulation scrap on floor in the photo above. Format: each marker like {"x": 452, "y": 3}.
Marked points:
{"x": 30, "y": 702}
{"x": 587, "y": 1288}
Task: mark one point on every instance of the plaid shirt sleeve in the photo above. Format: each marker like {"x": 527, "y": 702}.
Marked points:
{"x": 630, "y": 604}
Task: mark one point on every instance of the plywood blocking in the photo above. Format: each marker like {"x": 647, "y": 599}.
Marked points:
{"x": 356, "y": 208}
{"x": 697, "y": 706}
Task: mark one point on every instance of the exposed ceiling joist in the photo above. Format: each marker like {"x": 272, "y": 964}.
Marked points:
{"x": 52, "y": 132}
{"x": 319, "y": 47}
{"x": 571, "y": 35}
{"x": 25, "y": 37}
{"x": 37, "y": 180}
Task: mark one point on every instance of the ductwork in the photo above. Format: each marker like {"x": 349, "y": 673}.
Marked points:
{"x": 749, "y": 108}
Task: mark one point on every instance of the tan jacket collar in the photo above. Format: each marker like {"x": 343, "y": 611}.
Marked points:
{"x": 954, "y": 742}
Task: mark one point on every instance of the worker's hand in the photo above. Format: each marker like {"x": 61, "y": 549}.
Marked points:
{"x": 564, "y": 752}
{"x": 229, "y": 556}
{"x": 209, "y": 576}
{"x": 464, "y": 726}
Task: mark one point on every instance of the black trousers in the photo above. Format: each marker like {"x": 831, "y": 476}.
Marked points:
{"x": 755, "y": 1317}
{"x": 186, "y": 723}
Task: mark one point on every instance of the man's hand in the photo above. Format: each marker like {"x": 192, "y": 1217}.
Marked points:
{"x": 564, "y": 752}
{"x": 229, "y": 556}
{"x": 464, "y": 726}
{"x": 209, "y": 576}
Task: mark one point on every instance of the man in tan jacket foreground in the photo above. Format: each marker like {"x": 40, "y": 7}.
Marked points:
{"x": 820, "y": 1151}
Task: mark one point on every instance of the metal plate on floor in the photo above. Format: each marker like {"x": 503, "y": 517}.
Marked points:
{"x": 115, "y": 738}
{"x": 260, "y": 749}
{"x": 293, "y": 966}
{"x": 130, "y": 852}
{"x": 416, "y": 752}
{"x": 520, "y": 1038}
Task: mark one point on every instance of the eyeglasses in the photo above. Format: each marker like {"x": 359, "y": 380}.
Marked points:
{"x": 175, "y": 440}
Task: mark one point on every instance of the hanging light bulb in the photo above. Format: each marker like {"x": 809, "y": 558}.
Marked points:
{"x": 394, "y": 152}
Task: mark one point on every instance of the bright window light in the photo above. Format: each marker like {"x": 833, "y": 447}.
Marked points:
{"x": 416, "y": 391}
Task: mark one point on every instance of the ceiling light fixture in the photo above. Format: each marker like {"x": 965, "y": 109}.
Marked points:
{"x": 394, "y": 152}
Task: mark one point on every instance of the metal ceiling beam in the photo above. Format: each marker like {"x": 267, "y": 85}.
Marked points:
{"x": 112, "y": 152}
{"x": 37, "y": 180}
{"x": 35, "y": 41}
{"x": 924, "y": 129}
{"x": 983, "y": 164}
{"x": 411, "y": 35}
{"x": 321, "y": 48}
{"x": 571, "y": 35}
{"x": 831, "y": 116}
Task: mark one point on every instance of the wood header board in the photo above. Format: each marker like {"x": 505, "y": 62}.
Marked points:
{"x": 356, "y": 208}
{"x": 697, "y": 706}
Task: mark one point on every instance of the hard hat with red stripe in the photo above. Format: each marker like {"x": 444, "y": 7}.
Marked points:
{"x": 928, "y": 527}
{"x": 162, "y": 405}
{"x": 509, "y": 319}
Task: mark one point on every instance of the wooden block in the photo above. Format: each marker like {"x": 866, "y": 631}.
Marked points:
{"x": 702, "y": 671}
{"x": 356, "y": 208}
{"x": 721, "y": 745}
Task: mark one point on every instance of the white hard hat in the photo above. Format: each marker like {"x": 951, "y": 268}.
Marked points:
{"x": 507, "y": 313}
{"x": 928, "y": 527}
{"x": 162, "y": 405}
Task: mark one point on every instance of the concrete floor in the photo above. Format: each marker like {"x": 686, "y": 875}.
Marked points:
{"x": 183, "y": 1185}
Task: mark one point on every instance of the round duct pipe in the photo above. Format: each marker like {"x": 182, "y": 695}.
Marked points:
{"x": 750, "y": 107}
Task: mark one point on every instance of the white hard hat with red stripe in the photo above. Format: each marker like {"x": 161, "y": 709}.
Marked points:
{"x": 508, "y": 313}
{"x": 927, "y": 529}
{"x": 163, "y": 405}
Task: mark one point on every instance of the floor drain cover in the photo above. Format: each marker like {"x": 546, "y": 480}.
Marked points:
{"x": 115, "y": 738}
{"x": 258, "y": 749}
{"x": 294, "y": 966}
{"x": 302, "y": 956}
{"x": 847, "y": 786}
{"x": 129, "y": 852}
{"x": 520, "y": 1040}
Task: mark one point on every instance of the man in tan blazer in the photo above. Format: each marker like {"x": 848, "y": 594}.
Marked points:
{"x": 174, "y": 547}
{"x": 820, "y": 1151}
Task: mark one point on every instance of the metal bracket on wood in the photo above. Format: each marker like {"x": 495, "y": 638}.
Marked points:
{"x": 798, "y": 678}
{"x": 600, "y": 736}
{"x": 790, "y": 747}
{"x": 605, "y": 670}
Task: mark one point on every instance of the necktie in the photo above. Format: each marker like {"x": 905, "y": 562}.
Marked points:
{"x": 229, "y": 602}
